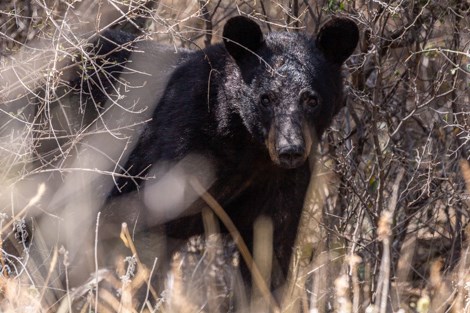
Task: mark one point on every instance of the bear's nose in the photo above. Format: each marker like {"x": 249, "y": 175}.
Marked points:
{"x": 291, "y": 156}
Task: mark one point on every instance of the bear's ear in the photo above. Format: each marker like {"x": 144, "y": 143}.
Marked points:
{"x": 337, "y": 39}
{"x": 242, "y": 37}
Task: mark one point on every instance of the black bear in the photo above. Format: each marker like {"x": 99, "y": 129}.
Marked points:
{"x": 240, "y": 118}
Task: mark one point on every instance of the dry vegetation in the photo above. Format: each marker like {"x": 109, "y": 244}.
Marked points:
{"x": 386, "y": 220}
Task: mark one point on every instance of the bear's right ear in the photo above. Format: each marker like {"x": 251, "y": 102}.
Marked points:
{"x": 242, "y": 37}
{"x": 337, "y": 39}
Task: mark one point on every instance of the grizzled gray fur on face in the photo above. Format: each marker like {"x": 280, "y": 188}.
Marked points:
{"x": 285, "y": 87}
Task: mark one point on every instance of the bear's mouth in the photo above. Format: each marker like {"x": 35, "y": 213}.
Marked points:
{"x": 288, "y": 146}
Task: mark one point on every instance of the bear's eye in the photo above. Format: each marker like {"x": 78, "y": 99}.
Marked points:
{"x": 312, "y": 101}
{"x": 265, "y": 100}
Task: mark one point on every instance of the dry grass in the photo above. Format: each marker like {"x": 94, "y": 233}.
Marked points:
{"x": 385, "y": 226}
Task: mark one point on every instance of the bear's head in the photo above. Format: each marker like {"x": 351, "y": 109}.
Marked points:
{"x": 286, "y": 87}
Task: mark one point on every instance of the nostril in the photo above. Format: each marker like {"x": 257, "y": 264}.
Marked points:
{"x": 290, "y": 155}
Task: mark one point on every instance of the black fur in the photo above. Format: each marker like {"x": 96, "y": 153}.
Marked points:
{"x": 246, "y": 111}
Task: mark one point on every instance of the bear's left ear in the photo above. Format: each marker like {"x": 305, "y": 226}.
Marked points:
{"x": 242, "y": 37}
{"x": 337, "y": 39}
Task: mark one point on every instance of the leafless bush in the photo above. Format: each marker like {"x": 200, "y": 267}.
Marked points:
{"x": 386, "y": 222}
